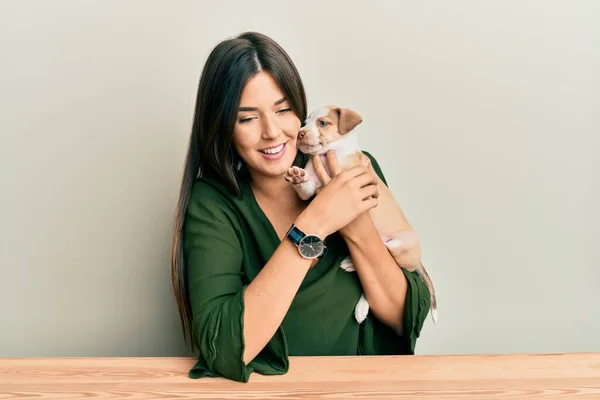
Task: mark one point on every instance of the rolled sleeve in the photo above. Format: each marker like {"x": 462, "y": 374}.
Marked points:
{"x": 216, "y": 286}
{"x": 380, "y": 339}
{"x": 416, "y": 308}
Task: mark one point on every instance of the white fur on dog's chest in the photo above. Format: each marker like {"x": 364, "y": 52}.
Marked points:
{"x": 345, "y": 152}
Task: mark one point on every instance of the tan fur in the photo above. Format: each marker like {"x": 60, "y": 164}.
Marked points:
{"x": 347, "y": 119}
{"x": 352, "y": 160}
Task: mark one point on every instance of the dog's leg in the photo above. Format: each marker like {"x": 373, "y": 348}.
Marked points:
{"x": 347, "y": 264}
{"x": 303, "y": 181}
{"x": 405, "y": 248}
{"x": 361, "y": 309}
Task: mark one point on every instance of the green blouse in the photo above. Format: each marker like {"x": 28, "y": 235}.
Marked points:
{"x": 227, "y": 240}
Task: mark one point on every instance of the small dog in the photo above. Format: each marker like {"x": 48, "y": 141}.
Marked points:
{"x": 335, "y": 128}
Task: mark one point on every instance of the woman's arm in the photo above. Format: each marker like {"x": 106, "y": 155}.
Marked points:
{"x": 384, "y": 284}
{"x": 269, "y": 296}
{"x": 232, "y": 324}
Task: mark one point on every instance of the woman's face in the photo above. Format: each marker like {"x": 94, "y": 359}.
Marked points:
{"x": 266, "y": 129}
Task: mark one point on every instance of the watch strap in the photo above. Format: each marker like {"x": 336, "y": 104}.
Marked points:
{"x": 295, "y": 234}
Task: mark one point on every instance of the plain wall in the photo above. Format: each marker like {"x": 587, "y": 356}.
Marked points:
{"x": 485, "y": 117}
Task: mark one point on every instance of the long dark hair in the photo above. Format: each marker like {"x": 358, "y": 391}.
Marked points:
{"x": 210, "y": 151}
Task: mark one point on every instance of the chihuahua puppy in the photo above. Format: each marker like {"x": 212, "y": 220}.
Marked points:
{"x": 335, "y": 128}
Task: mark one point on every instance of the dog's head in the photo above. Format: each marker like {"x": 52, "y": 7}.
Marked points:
{"x": 324, "y": 126}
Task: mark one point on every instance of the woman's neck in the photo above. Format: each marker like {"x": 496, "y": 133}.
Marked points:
{"x": 275, "y": 190}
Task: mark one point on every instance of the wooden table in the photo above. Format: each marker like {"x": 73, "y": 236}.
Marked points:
{"x": 506, "y": 377}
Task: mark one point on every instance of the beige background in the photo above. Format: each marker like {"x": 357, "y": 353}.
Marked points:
{"x": 485, "y": 117}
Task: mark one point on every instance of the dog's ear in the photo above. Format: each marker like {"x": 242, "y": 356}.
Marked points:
{"x": 348, "y": 119}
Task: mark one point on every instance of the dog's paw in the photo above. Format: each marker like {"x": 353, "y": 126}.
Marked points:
{"x": 296, "y": 175}
{"x": 404, "y": 240}
{"x": 394, "y": 242}
{"x": 361, "y": 309}
{"x": 405, "y": 249}
{"x": 347, "y": 264}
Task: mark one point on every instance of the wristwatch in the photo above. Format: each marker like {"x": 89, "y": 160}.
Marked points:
{"x": 310, "y": 246}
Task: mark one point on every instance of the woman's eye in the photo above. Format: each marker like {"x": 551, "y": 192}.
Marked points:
{"x": 241, "y": 121}
{"x": 284, "y": 110}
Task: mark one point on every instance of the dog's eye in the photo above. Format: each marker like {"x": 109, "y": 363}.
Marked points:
{"x": 323, "y": 123}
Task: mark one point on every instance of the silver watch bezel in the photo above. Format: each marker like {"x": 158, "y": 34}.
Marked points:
{"x": 302, "y": 244}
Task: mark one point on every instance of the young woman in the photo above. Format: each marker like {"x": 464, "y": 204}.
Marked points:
{"x": 249, "y": 293}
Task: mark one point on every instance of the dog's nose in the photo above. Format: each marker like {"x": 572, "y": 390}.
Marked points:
{"x": 301, "y": 134}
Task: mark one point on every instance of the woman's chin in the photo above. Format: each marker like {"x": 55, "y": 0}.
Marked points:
{"x": 276, "y": 168}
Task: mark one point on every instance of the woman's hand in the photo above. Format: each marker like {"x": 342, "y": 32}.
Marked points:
{"x": 344, "y": 196}
{"x": 335, "y": 168}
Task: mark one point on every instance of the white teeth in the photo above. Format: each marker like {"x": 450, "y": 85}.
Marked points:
{"x": 274, "y": 150}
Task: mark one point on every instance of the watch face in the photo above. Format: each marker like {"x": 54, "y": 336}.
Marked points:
{"x": 311, "y": 246}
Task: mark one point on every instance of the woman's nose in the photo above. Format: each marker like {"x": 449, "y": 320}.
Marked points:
{"x": 270, "y": 128}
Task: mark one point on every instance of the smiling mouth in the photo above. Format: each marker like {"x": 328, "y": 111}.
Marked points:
{"x": 273, "y": 150}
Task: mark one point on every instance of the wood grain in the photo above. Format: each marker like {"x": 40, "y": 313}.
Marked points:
{"x": 510, "y": 377}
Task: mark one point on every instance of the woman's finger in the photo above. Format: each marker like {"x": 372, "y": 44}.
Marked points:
{"x": 333, "y": 163}
{"x": 365, "y": 178}
{"x": 370, "y": 191}
{"x": 366, "y": 161}
{"x": 320, "y": 170}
